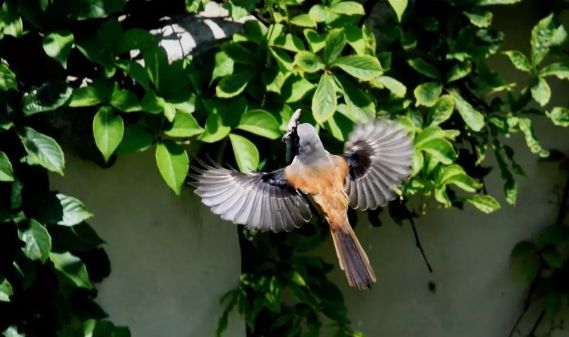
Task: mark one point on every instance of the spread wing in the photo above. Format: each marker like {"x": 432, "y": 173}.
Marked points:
{"x": 379, "y": 157}
{"x": 262, "y": 201}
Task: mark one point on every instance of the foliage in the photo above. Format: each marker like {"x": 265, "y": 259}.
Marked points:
{"x": 103, "y": 86}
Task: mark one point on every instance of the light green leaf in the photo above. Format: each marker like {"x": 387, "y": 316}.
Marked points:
{"x": 108, "y": 130}
{"x": 393, "y": 85}
{"x": 184, "y": 126}
{"x": 11, "y": 22}
{"x": 97, "y": 93}
{"x": 519, "y": 60}
{"x": 173, "y": 164}
{"x": 363, "y": 67}
{"x": 335, "y": 42}
{"x": 234, "y": 84}
{"x": 42, "y": 150}
{"x": 472, "y": 117}
{"x": 527, "y": 129}
{"x": 454, "y": 174}
{"x": 399, "y": 7}
{"x": 347, "y": 8}
{"x": 484, "y": 203}
{"x": 497, "y": 2}
{"x": 426, "y": 135}
{"x": 318, "y": 13}
{"x": 441, "y": 111}
{"x": 544, "y": 35}
{"x": 298, "y": 89}
{"x": 559, "y": 70}
{"x": 246, "y": 153}
{"x": 124, "y": 100}
{"x": 37, "y": 241}
{"x": 303, "y": 20}
{"x": 74, "y": 211}
{"x": 6, "y": 171}
{"x": 135, "y": 139}
{"x": 442, "y": 196}
{"x": 72, "y": 268}
{"x": 541, "y": 91}
{"x": 308, "y": 62}
{"x": 428, "y": 93}
{"x": 481, "y": 19}
{"x": 57, "y": 45}
{"x": 425, "y": 68}
{"x": 559, "y": 116}
{"x": 511, "y": 191}
{"x": 7, "y": 78}
{"x": 324, "y": 101}
{"x": 315, "y": 41}
{"x": 261, "y": 123}
{"x": 5, "y": 291}
{"x": 441, "y": 150}
{"x": 12, "y": 332}
{"x": 459, "y": 71}
{"x": 214, "y": 129}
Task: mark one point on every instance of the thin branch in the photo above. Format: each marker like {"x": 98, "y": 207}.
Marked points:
{"x": 536, "y": 324}
{"x": 527, "y": 302}
{"x": 419, "y": 245}
{"x": 564, "y": 203}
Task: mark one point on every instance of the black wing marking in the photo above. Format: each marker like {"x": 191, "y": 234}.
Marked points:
{"x": 379, "y": 156}
{"x": 262, "y": 201}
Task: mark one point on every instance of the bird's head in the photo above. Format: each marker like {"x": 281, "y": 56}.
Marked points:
{"x": 310, "y": 145}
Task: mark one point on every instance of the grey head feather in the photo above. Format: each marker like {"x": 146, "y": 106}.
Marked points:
{"x": 310, "y": 146}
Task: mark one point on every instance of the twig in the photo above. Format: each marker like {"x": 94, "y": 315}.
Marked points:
{"x": 536, "y": 324}
{"x": 564, "y": 203}
{"x": 527, "y": 302}
{"x": 419, "y": 245}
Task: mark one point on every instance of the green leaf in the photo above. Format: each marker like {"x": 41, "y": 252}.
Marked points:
{"x": 559, "y": 116}
{"x": 426, "y": 135}
{"x": 136, "y": 72}
{"x": 393, "y": 85}
{"x": 5, "y": 291}
{"x": 363, "y": 67}
{"x": 472, "y": 117}
{"x": 57, "y": 45}
{"x": 544, "y": 35}
{"x": 441, "y": 111}
{"x": 399, "y": 7}
{"x": 98, "y": 92}
{"x": 37, "y": 241}
{"x": 124, "y": 100}
{"x": 454, "y": 174}
{"x": 427, "y": 93}
{"x": 497, "y": 2}
{"x": 234, "y": 84}
{"x": 308, "y": 62}
{"x": 184, "y": 126}
{"x": 46, "y": 97}
{"x": 134, "y": 39}
{"x": 72, "y": 268}
{"x": 42, "y": 150}
{"x": 246, "y": 153}
{"x": 74, "y": 212}
{"x": 214, "y": 129}
{"x": 261, "y": 123}
{"x": 552, "y": 257}
{"x": 299, "y": 87}
{"x": 556, "y": 235}
{"x": 519, "y": 60}
{"x": 359, "y": 106}
{"x": 318, "y": 13}
{"x": 108, "y": 130}
{"x": 484, "y": 203}
{"x": 6, "y": 171}
{"x": 7, "y": 78}
{"x": 315, "y": 41}
{"x": 347, "y": 8}
{"x": 541, "y": 91}
{"x": 173, "y": 164}
{"x": 135, "y": 139}
{"x": 425, "y": 68}
{"x": 12, "y": 332}
{"x": 459, "y": 71}
{"x": 11, "y": 22}
{"x": 303, "y": 20}
{"x": 511, "y": 191}
{"x": 335, "y": 42}
{"x": 526, "y": 257}
{"x": 559, "y": 70}
{"x": 324, "y": 101}
{"x": 526, "y": 127}
{"x": 441, "y": 150}
{"x": 481, "y": 19}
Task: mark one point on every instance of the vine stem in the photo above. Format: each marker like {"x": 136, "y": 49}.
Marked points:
{"x": 420, "y": 245}
{"x": 527, "y": 302}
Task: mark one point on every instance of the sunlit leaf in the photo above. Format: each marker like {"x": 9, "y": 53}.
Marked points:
{"x": 324, "y": 102}
{"x": 37, "y": 241}
{"x": 42, "y": 150}
{"x": 6, "y": 171}
{"x": 246, "y": 153}
{"x": 559, "y": 116}
{"x": 472, "y": 117}
{"x": 173, "y": 164}
{"x": 427, "y": 93}
{"x": 71, "y": 268}
{"x": 261, "y": 123}
{"x": 108, "y": 131}
{"x": 74, "y": 211}
{"x": 363, "y": 67}
{"x": 57, "y": 45}
{"x": 485, "y": 203}
{"x": 399, "y": 7}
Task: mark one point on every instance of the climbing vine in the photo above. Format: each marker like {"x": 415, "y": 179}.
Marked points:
{"x": 90, "y": 76}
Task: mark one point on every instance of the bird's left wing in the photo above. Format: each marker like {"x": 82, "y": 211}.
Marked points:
{"x": 262, "y": 201}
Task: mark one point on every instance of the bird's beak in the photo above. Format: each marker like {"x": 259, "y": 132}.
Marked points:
{"x": 292, "y": 124}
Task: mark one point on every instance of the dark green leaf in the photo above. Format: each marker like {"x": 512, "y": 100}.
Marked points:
{"x": 94, "y": 9}
{"x": 74, "y": 212}
{"x": 324, "y": 102}
{"x": 98, "y": 92}
{"x": 135, "y": 139}
{"x": 526, "y": 257}
{"x": 427, "y": 93}
{"x": 42, "y": 150}
{"x": 363, "y": 67}
{"x": 10, "y": 20}
{"x": 124, "y": 100}
{"x": 441, "y": 111}
{"x": 459, "y": 71}
{"x": 335, "y": 42}
{"x": 472, "y": 117}
{"x": 173, "y": 164}
{"x": 554, "y": 235}
{"x": 234, "y": 84}
{"x": 260, "y": 122}
{"x": 134, "y": 39}
{"x": 425, "y": 68}
{"x": 37, "y": 241}
{"x": 136, "y": 72}
{"x": 552, "y": 257}
{"x": 108, "y": 131}
{"x": 484, "y": 203}
{"x": 246, "y": 153}
{"x": 57, "y": 45}
{"x": 47, "y": 97}
{"x": 72, "y": 268}
{"x": 359, "y": 106}
{"x": 6, "y": 171}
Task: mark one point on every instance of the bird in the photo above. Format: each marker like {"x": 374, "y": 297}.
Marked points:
{"x": 377, "y": 158}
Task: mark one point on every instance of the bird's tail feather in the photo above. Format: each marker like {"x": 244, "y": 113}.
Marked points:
{"x": 353, "y": 259}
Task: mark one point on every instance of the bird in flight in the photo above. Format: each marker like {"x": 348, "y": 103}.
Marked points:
{"x": 376, "y": 159}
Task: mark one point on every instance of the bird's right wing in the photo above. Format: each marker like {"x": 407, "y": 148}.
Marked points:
{"x": 262, "y": 201}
